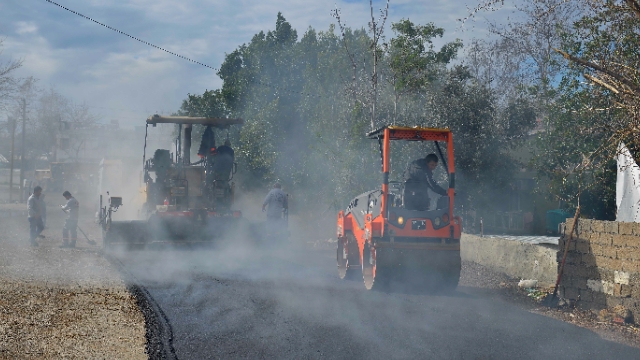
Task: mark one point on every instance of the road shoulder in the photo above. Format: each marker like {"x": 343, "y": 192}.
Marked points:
{"x": 60, "y": 303}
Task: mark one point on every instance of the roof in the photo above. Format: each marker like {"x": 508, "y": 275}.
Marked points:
{"x": 216, "y": 122}
{"x": 415, "y": 133}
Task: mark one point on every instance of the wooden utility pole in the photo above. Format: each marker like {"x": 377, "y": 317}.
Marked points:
{"x": 12, "y": 122}
{"x": 22, "y": 151}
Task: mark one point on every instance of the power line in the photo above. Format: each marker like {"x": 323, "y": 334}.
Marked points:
{"x": 171, "y": 52}
{"x": 130, "y": 36}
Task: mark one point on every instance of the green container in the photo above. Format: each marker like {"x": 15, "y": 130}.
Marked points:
{"x": 555, "y": 218}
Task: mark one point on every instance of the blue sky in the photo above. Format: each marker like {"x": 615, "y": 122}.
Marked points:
{"x": 121, "y": 79}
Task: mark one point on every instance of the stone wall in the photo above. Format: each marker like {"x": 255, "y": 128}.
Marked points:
{"x": 602, "y": 269}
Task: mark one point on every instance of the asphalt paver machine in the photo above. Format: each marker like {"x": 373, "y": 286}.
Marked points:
{"x": 388, "y": 243}
{"x": 184, "y": 201}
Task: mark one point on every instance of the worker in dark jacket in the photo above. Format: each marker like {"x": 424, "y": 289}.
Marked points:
{"x": 277, "y": 206}
{"x": 223, "y": 162}
{"x": 418, "y": 178}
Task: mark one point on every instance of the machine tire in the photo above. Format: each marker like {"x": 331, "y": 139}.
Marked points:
{"x": 375, "y": 277}
{"x": 348, "y": 267}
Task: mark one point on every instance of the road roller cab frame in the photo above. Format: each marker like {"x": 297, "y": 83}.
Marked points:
{"x": 387, "y": 243}
{"x": 185, "y": 201}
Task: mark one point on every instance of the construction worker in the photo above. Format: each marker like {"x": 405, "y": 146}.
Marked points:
{"x": 418, "y": 178}
{"x": 276, "y": 205}
{"x": 35, "y": 207}
{"x": 72, "y": 208}
{"x": 226, "y": 149}
{"x": 223, "y": 163}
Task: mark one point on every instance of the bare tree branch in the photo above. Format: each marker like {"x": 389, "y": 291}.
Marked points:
{"x": 635, "y": 6}
{"x": 601, "y": 69}
{"x": 601, "y": 83}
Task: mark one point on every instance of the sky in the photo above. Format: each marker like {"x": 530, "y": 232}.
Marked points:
{"x": 124, "y": 80}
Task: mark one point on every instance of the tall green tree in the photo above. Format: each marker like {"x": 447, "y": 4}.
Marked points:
{"x": 412, "y": 60}
{"x": 307, "y": 109}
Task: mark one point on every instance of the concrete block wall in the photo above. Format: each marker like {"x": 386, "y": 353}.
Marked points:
{"x": 602, "y": 269}
{"x": 513, "y": 258}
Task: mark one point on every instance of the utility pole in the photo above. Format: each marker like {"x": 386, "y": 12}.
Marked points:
{"x": 12, "y": 123}
{"x": 22, "y": 152}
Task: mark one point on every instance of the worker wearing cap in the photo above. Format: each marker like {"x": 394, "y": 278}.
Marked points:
{"x": 72, "y": 208}
{"x": 419, "y": 178}
{"x": 35, "y": 208}
{"x": 276, "y": 204}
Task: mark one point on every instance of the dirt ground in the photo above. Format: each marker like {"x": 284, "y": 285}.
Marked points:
{"x": 502, "y": 286}
{"x": 63, "y": 303}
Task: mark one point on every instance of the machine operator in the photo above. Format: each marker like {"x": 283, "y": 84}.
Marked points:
{"x": 418, "y": 178}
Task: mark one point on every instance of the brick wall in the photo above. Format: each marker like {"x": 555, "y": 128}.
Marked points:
{"x": 603, "y": 265}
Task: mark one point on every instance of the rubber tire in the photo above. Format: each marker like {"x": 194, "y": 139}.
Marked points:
{"x": 368, "y": 267}
{"x": 347, "y": 270}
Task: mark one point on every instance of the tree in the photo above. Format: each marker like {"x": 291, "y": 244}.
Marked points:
{"x": 8, "y": 83}
{"x": 413, "y": 63}
{"x": 603, "y": 111}
{"x": 307, "y": 108}
{"x": 81, "y": 121}
{"x": 51, "y": 113}
{"x": 370, "y": 91}
{"x": 59, "y": 126}
{"x": 605, "y": 47}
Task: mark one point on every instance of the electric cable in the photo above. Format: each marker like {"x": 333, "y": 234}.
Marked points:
{"x": 277, "y": 89}
{"x": 130, "y": 36}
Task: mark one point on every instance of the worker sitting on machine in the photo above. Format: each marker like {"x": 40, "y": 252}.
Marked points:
{"x": 418, "y": 178}
{"x": 223, "y": 162}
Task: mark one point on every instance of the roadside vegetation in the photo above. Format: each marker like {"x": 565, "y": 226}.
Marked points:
{"x": 558, "y": 82}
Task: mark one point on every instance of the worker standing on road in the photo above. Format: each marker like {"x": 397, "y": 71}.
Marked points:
{"x": 71, "y": 223}
{"x": 278, "y": 206}
{"x": 35, "y": 207}
{"x": 418, "y": 178}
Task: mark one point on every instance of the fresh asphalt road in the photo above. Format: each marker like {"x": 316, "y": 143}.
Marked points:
{"x": 242, "y": 302}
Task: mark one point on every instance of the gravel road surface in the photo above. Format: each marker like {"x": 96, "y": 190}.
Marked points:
{"x": 244, "y": 302}
{"x": 63, "y": 303}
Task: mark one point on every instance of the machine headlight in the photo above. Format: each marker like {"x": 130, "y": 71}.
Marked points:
{"x": 400, "y": 220}
{"x": 436, "y": 221}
